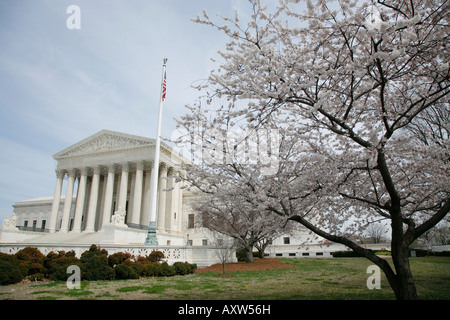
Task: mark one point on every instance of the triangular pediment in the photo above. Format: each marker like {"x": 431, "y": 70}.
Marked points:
{"x": 104, "y": 141}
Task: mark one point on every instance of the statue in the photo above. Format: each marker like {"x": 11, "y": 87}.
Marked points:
{"x": 10, "y": 222}
{"x": 118, "y": 217}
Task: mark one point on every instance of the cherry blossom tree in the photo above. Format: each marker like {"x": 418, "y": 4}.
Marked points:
{"x": 359, "y": 93}
{"x": 229, "y": 212}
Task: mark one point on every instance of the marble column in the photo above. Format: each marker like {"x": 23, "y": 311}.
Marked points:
{"x": 123, "y": 191}
{"x": 137, "y": 199}
{"x": 93, "y": 201}
{"x": 80, "y": 201}
{"x": 107, "y": 206}
{"x": 180, "y": 202}
{"x": 68, "y": 202}
{"x": 56, "y": 201}
{"x": 162, "y": 184}
{"x": 170, "y": 199}
{"x": 145, "y": 216}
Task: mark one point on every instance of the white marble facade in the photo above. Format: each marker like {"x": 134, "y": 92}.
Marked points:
{"x": 105, "y": 178}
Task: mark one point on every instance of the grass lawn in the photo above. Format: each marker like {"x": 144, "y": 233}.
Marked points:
{"x": 318, "y": 279}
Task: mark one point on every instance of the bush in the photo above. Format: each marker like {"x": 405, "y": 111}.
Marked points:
{"x": 56, "y": 264}
{"x": 155, "y": 256}
{"x": 126, "y": 271}
{"x": 150, "y": 269}
{"x": 427, "y": 253}
{"x": 95, "y": 264}
{"x": 166, "y": 270}
{"x": 241, "y": 254}
{"x": 345, "y": 254}
{"x": 443, "y": 254}
{"x": 183, "y": 268}
{"x": 30, "y": 259}
{"x": 10, "y": 270}
{"x": 118, "y": 258}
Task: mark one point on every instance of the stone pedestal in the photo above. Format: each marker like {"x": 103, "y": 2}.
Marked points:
{"x": 115, "y": 233}
{"x": 151, "y": 234}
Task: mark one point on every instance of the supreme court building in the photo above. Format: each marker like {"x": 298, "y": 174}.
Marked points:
{"x": 102, "y": 196}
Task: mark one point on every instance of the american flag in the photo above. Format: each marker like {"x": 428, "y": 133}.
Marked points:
{"x": 164, "y": 87}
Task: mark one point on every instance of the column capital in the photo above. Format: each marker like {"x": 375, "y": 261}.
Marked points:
{"x": 140, "y": 165}
{"x": 72, "y": 172}
{"x": 163, "y": 167}
{"x": 60, "y": 173}
{"x": 125, "y": 166}
{"x": 84, "y": 171}
{"x": 111, "y": 167}
{"x": 148, "y": 165}
{"x": 170, "y": 171}
{"x": 97, "y": 170}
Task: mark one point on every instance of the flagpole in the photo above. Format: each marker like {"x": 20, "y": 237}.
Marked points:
{"x": 151, "y": 233}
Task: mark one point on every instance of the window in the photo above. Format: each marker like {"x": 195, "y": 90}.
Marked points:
{"x": 34, "y": 224}
{"x": 286, "y": 240}
{"x": 278, "y": 254}
{"x": 43, "y": 224}
{"x": 305, "y": 254}
{"x": 168, "y": 242}
{"x": 292, "y": 254}
{"x": 25, "y": 223}
{"x": 319, "y": 253}
{"x": 204, "y": 242}
{"x": 191, "y": 221}
{"x": 174, "y": 216}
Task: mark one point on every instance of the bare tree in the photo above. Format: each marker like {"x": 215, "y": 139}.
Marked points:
{"x": 229, "y": 212}
{"x": 226, "y": 248}
{"x": 375, "y": 231}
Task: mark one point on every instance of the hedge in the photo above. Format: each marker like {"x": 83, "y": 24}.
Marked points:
{"x": 345, "y": 254}
{"x": 95, "y": 264}
{"x": 10, "y": 270}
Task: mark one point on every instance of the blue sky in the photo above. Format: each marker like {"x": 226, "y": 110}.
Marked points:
{"x": 59, "y": 86}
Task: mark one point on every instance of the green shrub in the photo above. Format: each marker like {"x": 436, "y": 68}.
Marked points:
{"x": 118, "y": 258}
{"x": 125, "y": 271}
{"x": 166, "y": 270}
{"x": 345, "y": 254}
{"x": 192, "y": 267}
{"x": 241, "y": 254}
{"x": 443, "y": 254}
{"x": 10, "y": 270}
{"x": 55, "y": 264}
{"x": 95, "y": 264}
{"x": 30, "y": 259}
{"x": 183, "y": 268}
{"x": 150, "y": 269}
{"x": 155, "y": 256}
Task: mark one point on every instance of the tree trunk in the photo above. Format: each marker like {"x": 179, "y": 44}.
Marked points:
{"x": 249, "y": 254}
{"x": 262, "y": 248}
{"x": 403, "y": 286}
{"x": 401, "y": 281}
{"x": 261, "y": 253}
